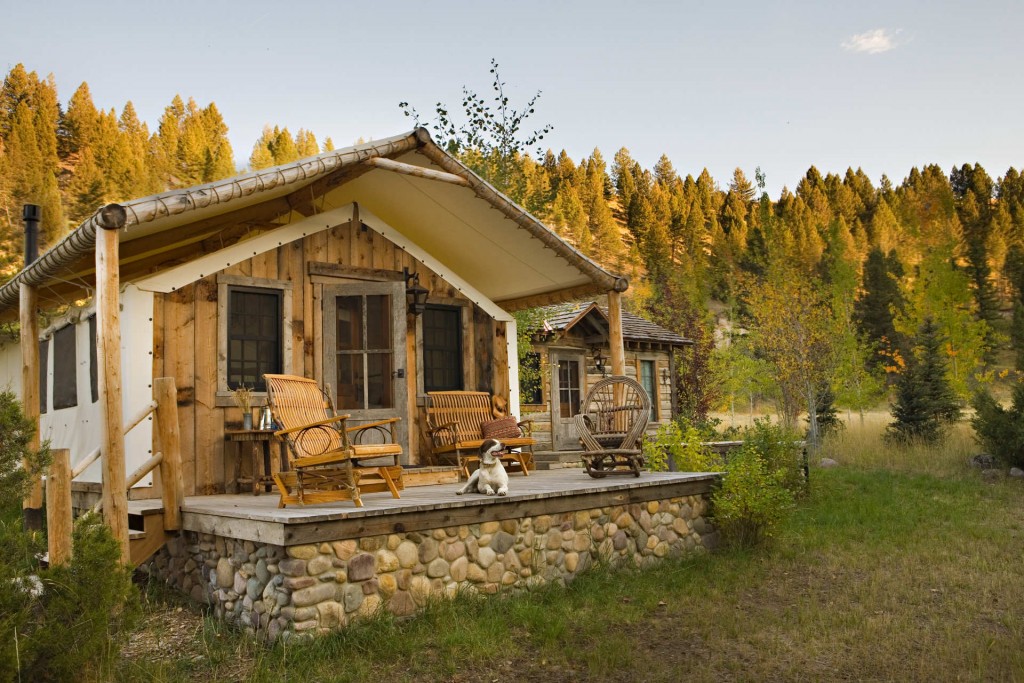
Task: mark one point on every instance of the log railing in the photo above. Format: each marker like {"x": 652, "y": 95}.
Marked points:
{"x": 166, "y": 461}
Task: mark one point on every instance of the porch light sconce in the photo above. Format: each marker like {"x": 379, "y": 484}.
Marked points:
{"x": 415, "y": 293}
{"x": 665, "y": 377}
{"x": 599, "y": 360}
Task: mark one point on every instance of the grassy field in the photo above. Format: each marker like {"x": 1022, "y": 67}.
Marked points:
{"x": 899, "y": 566}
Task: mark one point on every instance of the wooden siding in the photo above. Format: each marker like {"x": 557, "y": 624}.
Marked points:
{"x": 186, "y": 340}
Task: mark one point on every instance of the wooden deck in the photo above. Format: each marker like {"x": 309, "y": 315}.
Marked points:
{"x": 258, "y": 519}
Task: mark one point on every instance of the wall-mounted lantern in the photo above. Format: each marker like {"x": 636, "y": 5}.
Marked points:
{"x": 415, "y": 293}
{"x": 599, "y": 360}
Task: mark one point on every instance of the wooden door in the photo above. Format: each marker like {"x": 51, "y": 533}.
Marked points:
{"x": 567, "y": 387}
{"x": 364, "y": 352}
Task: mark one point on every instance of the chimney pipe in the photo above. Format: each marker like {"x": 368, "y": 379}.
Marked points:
{"x": 31, "y": 213}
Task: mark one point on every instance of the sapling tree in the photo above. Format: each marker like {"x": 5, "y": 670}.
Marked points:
{"x": 490, "y": 133}
{"x": 793, "y": 329}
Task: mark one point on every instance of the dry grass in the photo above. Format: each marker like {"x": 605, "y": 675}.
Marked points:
{"x": 861, "y": 444}
{"x": 901, "y": 565}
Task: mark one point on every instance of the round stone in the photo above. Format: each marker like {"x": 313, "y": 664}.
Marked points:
{"x": 408, "y": 554}
{"x": 458, "y": 569}
{"x": 224, "y": 574}
{"x": 361, "y": 567}
{"x": 318, "y": 565}
{"x": 437, "y": 568}
{"x": 486, "y": 557}
{"x": 345, "y": 549}
{"x": 302, "y": 552}
{"x": 387, "y": 561}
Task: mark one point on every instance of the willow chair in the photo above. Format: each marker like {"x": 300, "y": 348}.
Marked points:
{"x": 611, "y": 426}
{"x": 324, "y": 453}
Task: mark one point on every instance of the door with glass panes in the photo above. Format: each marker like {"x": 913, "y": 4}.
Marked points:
{"x": 364, "y": 352}
{"x": 568, "y": 372}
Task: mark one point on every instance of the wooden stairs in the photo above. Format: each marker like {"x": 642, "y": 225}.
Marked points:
{"x": 146, "y": 533}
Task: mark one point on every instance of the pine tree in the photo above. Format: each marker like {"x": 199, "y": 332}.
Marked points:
{"x": 1015, "y": 273}
{"x": 925, "y": 402}
{"x": 881, "y": 301}
{"x": 305, "y": 143}
{"x": 78, "y": 126}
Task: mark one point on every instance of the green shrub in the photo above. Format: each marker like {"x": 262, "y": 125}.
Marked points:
{"x": 682, "y": 443}
{"x": 85, "y": 610}
{"x": 761, "y": 479}
{"x": 782, "y": 451}
{"x": 1001, "y": 430}
{"x": 60, "y": 623}
{"x": 752, "y": 501}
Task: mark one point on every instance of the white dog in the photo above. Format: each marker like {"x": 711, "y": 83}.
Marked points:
{"x": 490, "y": 478}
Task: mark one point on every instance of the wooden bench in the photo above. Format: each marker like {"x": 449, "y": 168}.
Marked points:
{"x": 455, "y": 422}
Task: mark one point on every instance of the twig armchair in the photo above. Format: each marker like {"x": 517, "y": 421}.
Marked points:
{"x": 611, "y": 425}
{"x": 325, "y": 454}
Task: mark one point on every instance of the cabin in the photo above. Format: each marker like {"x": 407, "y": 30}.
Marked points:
{"x": 572, "y": 351}
{"x": 384, "y": 271}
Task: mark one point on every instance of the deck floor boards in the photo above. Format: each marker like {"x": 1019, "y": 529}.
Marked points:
{"x": 249, "y": 516}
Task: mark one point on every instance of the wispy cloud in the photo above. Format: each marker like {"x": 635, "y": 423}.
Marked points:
{"x": 873, "y": 42}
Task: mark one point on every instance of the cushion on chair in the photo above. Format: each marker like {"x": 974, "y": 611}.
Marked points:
{"x": 505, "y": 428}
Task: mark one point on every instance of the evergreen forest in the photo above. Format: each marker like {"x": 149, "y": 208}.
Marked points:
{"x": 812, "y": 299}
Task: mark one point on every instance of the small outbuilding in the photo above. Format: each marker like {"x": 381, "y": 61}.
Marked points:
{"x": 572, "y": 351}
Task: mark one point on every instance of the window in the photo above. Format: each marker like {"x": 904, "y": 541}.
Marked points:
{"x": 44, "y": 362}
{"x": 650, "y": 385}
{"x": 569, "y": 388}
{"x": 94, "y": 384}
{"x": 442, "y": 348}
{"x": 364, "y": 352}
{"x": 531, "y": 380}
{"x": 65, "y": 369}
{"x": 253, "y": 336}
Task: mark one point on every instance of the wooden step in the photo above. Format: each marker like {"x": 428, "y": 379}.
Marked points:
{"x": 144, "y": 542}
{"x": 557, "y": 460}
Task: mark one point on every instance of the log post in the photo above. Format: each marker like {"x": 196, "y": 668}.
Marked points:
{"x": 32, "y": 505}
{"x": 166, "y": 395}
{"x": 58, "y": 508}
{"x": 108, "y": 355}
{"x": 618, "y": 346}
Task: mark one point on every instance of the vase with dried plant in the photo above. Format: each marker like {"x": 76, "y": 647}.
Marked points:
{"x": 243, "y": 398}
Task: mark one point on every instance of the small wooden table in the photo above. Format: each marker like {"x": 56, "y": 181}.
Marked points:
{"x": 249, "y": 442}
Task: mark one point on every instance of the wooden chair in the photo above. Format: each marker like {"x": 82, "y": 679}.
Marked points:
{"x": 611, "y": 425}
{"x": 326, "y": 456}
{"x": 455, "y": 422}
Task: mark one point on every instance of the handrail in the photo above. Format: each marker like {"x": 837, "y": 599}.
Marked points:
{"x": 84, "y": 465}
{"x": 168, "y": 459}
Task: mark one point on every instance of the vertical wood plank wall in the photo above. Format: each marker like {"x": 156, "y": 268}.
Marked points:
{"x": 186, "y": 341}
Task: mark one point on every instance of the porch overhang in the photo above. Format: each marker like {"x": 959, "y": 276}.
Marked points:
{"x": 496, "y": 247}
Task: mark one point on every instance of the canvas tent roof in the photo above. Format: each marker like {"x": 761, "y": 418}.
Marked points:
{"x": 463, "y": 224}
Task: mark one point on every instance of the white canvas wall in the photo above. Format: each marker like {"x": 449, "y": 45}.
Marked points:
{"x": 78, "y": 428}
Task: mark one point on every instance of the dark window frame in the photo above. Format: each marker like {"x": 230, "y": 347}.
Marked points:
{"x": 65, "y": 368}
{"x": 652, "y": 391}
{"x": 94, "y": 382}
{"x": 44, "y": 364}
{"x": 443, "y": 363}
{"x": 234, "y": 371}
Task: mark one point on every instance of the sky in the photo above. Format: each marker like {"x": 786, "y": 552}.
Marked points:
{"x": 883, "y": 86}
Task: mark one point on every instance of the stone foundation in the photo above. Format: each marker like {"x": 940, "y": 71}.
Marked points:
{"x": 277, "y": 592}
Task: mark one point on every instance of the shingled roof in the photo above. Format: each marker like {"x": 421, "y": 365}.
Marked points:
{"x": 563, "y": 317}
